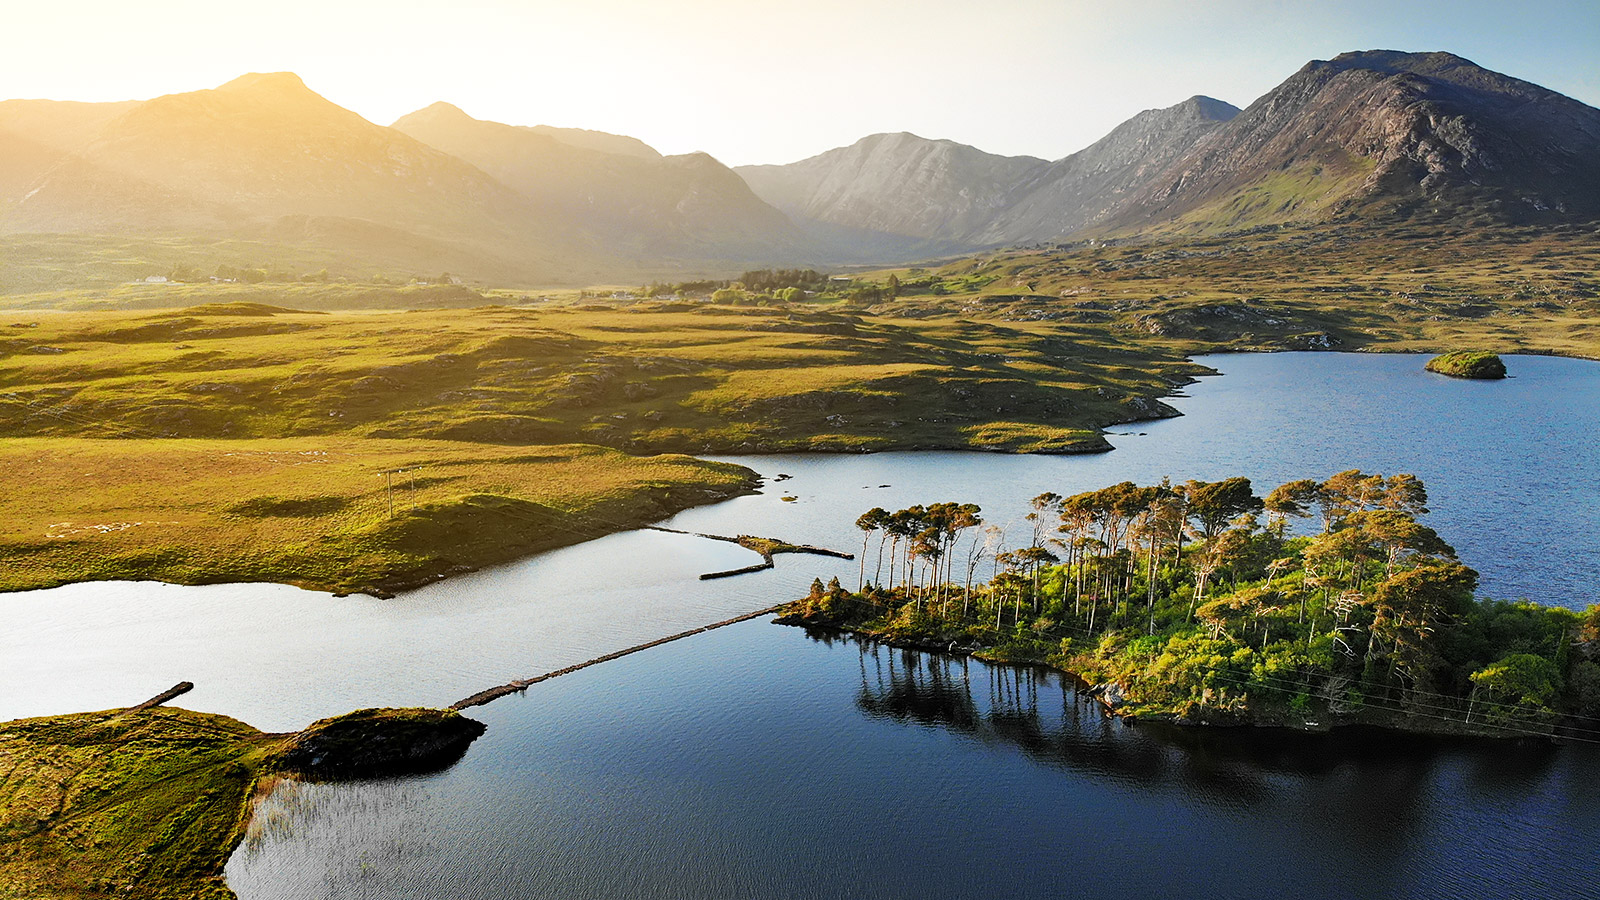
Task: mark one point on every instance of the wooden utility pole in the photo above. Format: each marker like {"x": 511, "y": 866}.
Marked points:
{"x": 388, "y": 483}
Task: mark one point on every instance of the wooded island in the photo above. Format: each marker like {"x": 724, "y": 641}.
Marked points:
{"x": 1202, "y": 603}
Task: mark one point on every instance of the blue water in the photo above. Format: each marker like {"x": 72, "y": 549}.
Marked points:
{"x": 1513, "y": 468}
{"x": 758, "y": 762}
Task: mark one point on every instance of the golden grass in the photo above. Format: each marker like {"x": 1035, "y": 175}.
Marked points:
{"x": 1030, "y": 351}
{"x": 636, "y": 378}
{"x": 317, "y": 511}
{"x": 1399, "y": 287}
{"x": 124, "y": 803}
{"x": 791, "y": 381}
{"x": 246, "y": 442}
{"x": 1032, "y": 438}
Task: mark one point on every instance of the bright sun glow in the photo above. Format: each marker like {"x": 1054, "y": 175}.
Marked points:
{"x": 756, "y": 81}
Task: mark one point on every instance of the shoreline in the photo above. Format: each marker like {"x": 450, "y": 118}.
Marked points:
{"x": 152, "y": 801}
{"x": 222, "y": 770}
{"x": 666, "y": 502}
{"x": 463, "y": 555}
{"x": 1115, "y": 708}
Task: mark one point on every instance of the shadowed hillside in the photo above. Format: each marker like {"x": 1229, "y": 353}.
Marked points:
{"x": 1374, "y": 135}
{"x": 679, "y": 206}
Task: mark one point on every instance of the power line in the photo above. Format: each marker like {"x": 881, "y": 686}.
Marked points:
{"x": 1352, "y": 679}
{"x": 562, "y": 517}
{"x": 1417, "y": 709}
{"x": 84, "y": 420}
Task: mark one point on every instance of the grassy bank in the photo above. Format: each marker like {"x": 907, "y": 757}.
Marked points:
{"x": 317, "y": 511}
{"x": 150, "y": 803}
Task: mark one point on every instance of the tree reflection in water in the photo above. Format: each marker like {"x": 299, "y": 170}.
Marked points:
{"x": 1370, "y": 789}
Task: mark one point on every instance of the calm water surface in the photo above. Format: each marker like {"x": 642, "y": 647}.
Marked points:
{"x": 754, "y": 762}
{"x": 1513, "y": 468}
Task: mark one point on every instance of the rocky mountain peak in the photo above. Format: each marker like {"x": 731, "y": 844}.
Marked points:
{"x": 1396, "y": 61}
{"x": 1384, "y": 132}
{"x": 1207, "y": 108}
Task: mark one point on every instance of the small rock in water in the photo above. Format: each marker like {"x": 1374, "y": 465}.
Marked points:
{"x": 1112, "y": 695}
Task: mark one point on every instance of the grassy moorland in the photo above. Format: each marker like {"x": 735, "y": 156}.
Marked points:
{"x": 645, "y": 377}
{"x": 45, "y": 269}
{"x": 1424, "y": 288}
{"x": 1021, "y": 351}
{"x": 108, "y": 271}
{"x": 240, "y": 442}
{"x": 149, "y": 803}
{"x": 319, "y": 512}
{"x": 311, "y": 296}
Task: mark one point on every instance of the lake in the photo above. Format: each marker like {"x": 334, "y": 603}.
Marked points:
{"x": 741, "y": 757}
{"x": 756, "y": 762}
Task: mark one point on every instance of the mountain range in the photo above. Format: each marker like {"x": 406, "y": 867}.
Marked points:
{"x": 1375, "y": 133}
{"x": 619, "y": 189}
{"x": 1367, "y": 134}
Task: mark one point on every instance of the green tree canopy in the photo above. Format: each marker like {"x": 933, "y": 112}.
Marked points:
{"x": 1521, "y": 679}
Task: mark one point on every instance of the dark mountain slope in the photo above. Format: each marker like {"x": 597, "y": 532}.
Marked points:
{"x": 900, "y": 185}
{"x": 1385, "y": 133}
{"x": 938, "y": 196}
{"x": 1087, "y": 187}
{"x": 682, "y": 206}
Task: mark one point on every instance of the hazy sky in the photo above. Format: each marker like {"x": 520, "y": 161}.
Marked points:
{"x": 756, "y": 81}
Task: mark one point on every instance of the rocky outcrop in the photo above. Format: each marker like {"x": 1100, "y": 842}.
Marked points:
{"x": 371, "y": 743}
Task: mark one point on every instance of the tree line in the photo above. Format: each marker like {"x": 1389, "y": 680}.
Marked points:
{"x": 1323, "y": 595}
{"x": 770, "y": 282}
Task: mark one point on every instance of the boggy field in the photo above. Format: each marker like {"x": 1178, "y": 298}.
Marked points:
{"x": 1392, "y": 287}
{"x": 243, "y": 441}
{"x": 248, "y": 443}
{"x": 331, "y": 513}
{"x": 678, "y": 377}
